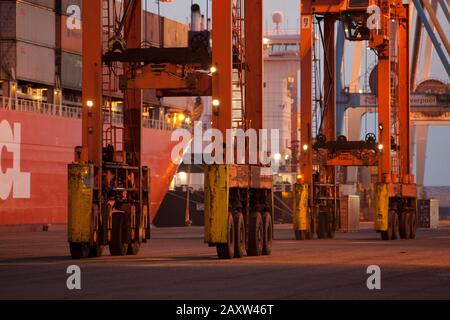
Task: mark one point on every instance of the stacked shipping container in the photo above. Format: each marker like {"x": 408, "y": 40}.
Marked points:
{"x": 27, "y": 41}
{"x": 41, "y": 43}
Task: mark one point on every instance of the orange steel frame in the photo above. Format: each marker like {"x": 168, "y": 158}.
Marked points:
{"x": 223, "y": 60}
{"x": 221, "y": 81}
{"x": 92, "y": 121}
{"x": 380, "y": 42}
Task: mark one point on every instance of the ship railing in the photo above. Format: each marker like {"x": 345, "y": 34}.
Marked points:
{"x": 163, "y": 125}
{"x": 40, "y": 107}
{"x": 65, "y": 111}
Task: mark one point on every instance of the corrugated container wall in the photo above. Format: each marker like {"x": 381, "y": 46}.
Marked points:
{"x": 28, "y": 23}
{"x": 175, "y": 34}
{"x": 152, "y": 26}
{"x": 29, "y": 62}
{"x": 71, "y": 38}
{"x": 44, "y": 3}
{"x": 35, "y": 63}
{"x": 8, "y": 59}
{"x": 71, "y": 67}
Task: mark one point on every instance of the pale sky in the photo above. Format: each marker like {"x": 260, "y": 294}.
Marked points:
{"x": 437, "y": 171}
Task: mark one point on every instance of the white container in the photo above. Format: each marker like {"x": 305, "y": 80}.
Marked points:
{"x": 428, "y": 213}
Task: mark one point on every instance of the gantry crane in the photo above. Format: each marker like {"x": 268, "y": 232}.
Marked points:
{"x": 109, "y": 187}
{"x": 238, "y": 198}
{"x": 316, "y": 200}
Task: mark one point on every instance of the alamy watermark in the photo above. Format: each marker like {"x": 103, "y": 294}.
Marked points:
{"x": 238, "y": 147}
{"x": 374, "y": 280}
{"x": 74, "y": 280}
{"x": 74, "y": 19}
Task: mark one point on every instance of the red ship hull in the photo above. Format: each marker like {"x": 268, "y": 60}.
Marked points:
{"x": 46, "y": 147}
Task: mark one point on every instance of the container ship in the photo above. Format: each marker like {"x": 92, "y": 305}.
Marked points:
{"x": 40, "y": 108}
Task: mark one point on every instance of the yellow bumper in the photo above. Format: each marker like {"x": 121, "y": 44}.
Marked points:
{"x": 80, "y": 196}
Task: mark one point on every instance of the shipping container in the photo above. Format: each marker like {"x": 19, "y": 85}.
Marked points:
{"x": 44, "y": 3}
{"x": 175, "y": 34}
{"x": 428, "y": 212}
{"x": 152, "y": 26}
{"x": 28, "y": 23}
{"x": 71, "y": 38}
{"x": 67, "y": 7}
{"x": 27, "y": 62}
{"x": 349, "y": 213}
{"x": 71, "y": 71}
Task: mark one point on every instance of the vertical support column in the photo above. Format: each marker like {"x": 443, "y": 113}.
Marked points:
{"x": 133, "y": 97}
{"x": 421, "y": 137}
{"x": 404, "y": 93}
{"x": 384, "y": 94}
{"x": 306, "y": 91}
{"x": 417, "y": 44}
{"x": 223, "y": 61}
{"x": 92, "y": 83}
{"x": 428, "y": 50}
{"x": 329, "y": 120}
{"x": 254, "y": 75}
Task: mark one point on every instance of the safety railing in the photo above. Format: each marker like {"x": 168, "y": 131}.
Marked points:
{"x": 22, "y": 105}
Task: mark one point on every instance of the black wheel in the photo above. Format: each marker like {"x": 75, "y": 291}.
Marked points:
{"x": 256, "y": 235}
{"x": 330, "y": 226}
{"x": 396, "y": 227}
{"x": 268, "y": 234}
{"x": 405, "y": 224}
{"x": 322, "y": 226}
{"x": 118, "y": 245}
{"x": 79, "y": 250}
{"x": 387, "y": 235}
{"x": 133, "y": 248}
{"x": 300, "y": 235}
{"x": 145, "y": 223}
{"x": 96, "y": 249}
{"x": 239, "y": 235}
{"x": 226, "y": 250}
{"x": 413, "y": 225}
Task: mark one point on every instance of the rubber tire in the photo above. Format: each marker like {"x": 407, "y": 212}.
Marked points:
{"x": 239, "y": 235}
{"x": 322, "y": 226}
{"x": 79, "y": 250}
{"x": 300, "y": 235}
{"x": 225, "y": 251}
{"x": 96, "y": 250}
{"x": 133, "y": 248}
{"x": 256, "y": 235}
{"x": 267, "y": 235}
{"x": 413, "y": 225}
{"x": 117, "y": 245}
{"x": 405, "y": 225}
{"x": 387, "y": 235}
{"x": 396, "y": 227}
{"x": 330, "y": 226}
